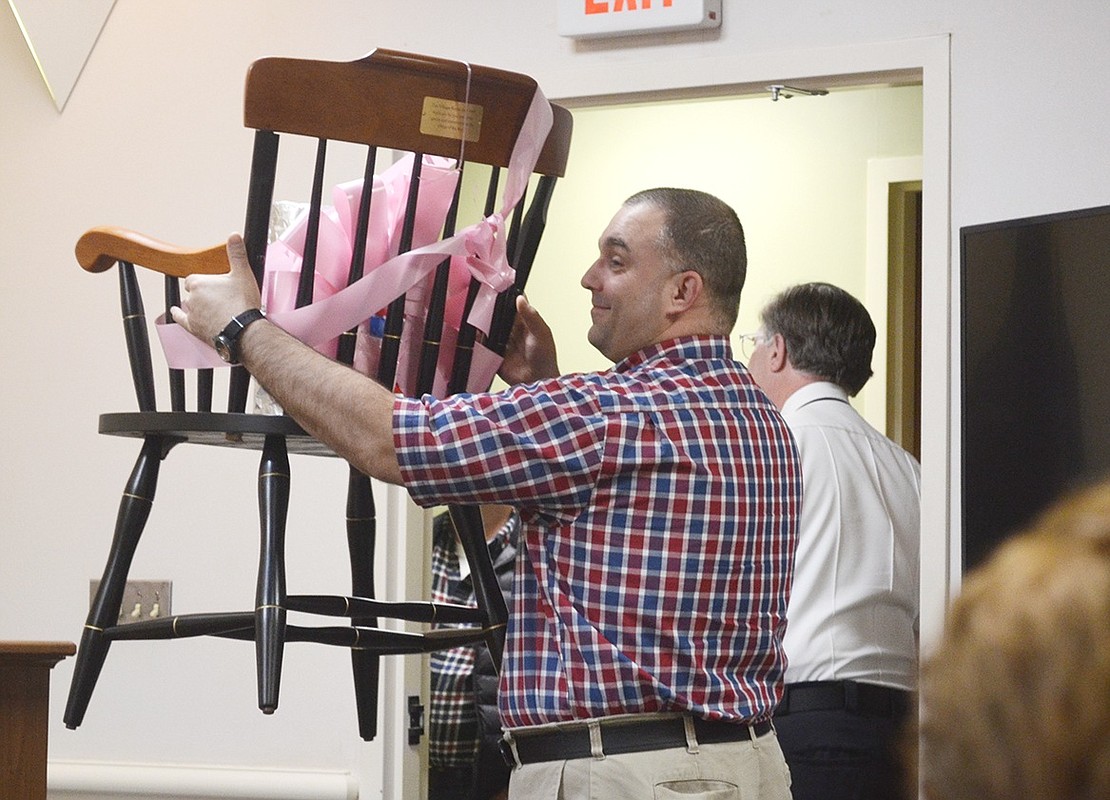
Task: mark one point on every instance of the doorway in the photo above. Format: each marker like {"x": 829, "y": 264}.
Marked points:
{"x": 894, "y": 215}
{"x": 925, "y": 61}
{"x": 903, "y": 331}
{"x": 797, "y": 172}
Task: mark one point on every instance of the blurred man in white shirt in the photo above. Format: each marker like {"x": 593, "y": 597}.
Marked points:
{"x": 852, "y": 619}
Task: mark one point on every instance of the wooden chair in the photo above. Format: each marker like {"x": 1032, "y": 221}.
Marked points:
{"x": 404, "y": 102}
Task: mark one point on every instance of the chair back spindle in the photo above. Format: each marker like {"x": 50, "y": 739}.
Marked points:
{"x": 306, "y": 282}
{"x": 347, "y": 342}
{"x": 138, "y": 340}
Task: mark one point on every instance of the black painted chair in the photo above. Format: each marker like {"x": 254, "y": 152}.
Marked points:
{"x": 403, "y": 102}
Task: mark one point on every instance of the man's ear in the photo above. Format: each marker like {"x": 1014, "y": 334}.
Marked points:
{"x": 776, "y": 352}
{"x": 686, "y": 287}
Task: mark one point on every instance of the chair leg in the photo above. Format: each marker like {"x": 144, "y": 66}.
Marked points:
{"x": 134, "y": 509}
{"x": 487, "y": 590}
{"x": 270, "y": 613}
{"x": 360, "y": 544}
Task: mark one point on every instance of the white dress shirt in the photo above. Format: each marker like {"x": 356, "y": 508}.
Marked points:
{"x": 854, "y": 606}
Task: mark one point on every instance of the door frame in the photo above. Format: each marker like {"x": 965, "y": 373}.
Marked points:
{"x": 923, "y": 60}
{"x": 886, "y": 177}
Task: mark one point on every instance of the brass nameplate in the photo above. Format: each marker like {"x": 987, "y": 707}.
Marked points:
{"x": 451, "y": 119}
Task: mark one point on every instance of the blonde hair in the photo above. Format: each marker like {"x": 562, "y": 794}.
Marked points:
{"x": 1016, "y": 699}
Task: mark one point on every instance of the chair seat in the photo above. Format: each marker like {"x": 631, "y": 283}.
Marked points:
{"x": 221, "y": 429}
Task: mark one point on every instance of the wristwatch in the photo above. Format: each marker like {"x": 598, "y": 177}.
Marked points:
{"x": 226, "y": 341}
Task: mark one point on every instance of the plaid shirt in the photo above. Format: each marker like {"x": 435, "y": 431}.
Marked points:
{"x": 659, "y": 502}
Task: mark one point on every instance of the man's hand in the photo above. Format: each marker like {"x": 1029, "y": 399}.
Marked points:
{"x": 210, "y": 301}
{"x": 530, "y": 353}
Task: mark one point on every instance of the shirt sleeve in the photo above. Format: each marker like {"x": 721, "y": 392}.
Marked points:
{"x": 536, "y": 449}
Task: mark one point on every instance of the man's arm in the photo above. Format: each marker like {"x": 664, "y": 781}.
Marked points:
{"x": 346, "y": 410}
{"x": 343, "y": 408}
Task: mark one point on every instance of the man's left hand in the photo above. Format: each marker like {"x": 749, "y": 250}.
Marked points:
{"x": 210, "y": 302}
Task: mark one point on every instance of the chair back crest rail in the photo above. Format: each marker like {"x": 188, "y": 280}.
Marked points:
{"x": 387, "y": 100}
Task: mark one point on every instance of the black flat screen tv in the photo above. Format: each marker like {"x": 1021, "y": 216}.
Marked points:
{"x": 1035, "y": 368}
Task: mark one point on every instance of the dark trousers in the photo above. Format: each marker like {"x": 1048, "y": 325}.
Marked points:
{"x": 840, "y": 755}
{"x": 450, "y": 784}
{"x": 484, "y": 780}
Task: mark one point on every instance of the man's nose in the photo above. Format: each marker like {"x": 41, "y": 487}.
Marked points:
{"x": 588, "y": 281}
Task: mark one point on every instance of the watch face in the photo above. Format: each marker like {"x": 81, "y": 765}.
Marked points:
{"x": 226, "y": 342}
{"x": 223, "y": 348}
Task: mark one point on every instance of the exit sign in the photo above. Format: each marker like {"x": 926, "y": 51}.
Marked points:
{"x": 584, "y": 18}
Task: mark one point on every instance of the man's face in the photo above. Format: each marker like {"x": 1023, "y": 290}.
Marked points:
{"x": 629, "y": 284}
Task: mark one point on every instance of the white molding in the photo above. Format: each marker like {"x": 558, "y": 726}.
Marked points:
{"x": 73, "y": 779}
{"x": 745, "y": 72}
{"x": 404, "y": 548}
{"x": 940, "y": 523}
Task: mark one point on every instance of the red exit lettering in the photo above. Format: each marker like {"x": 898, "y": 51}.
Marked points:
{"x": 602, "y": 6}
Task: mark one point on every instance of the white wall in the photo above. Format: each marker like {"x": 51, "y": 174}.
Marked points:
{"x": 150, "y": 139}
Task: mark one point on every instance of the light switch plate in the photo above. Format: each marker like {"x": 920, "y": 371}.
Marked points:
{"x": 142, "y": 600}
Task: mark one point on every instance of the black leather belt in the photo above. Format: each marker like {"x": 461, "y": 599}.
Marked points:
{"x": 863, "y": 699}
{"x": 623, "y": 735}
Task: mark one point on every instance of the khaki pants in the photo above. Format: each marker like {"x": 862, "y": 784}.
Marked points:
{"x": 743, "y": 770}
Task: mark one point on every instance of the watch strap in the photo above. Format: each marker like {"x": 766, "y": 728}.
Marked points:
{"x": 226, "y": 341}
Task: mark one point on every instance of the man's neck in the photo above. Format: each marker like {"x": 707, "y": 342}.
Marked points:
{"x": 789, "y": 381}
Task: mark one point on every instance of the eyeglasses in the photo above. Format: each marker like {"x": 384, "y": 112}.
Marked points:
{"x": 748, "y": 342}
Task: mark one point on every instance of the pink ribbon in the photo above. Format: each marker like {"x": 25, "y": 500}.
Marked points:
{"x": 336, "y": 239}
{"x": 478, "y": 250}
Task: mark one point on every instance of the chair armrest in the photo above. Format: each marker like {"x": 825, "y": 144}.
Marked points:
{"x": 99, "y": 249}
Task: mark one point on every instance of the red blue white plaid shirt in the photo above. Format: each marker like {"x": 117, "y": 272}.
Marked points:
{"x": 660, "y": 502}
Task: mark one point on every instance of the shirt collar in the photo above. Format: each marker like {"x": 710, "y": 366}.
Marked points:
{"x": 681, "y": 349}
{"x": 819, "y": 390}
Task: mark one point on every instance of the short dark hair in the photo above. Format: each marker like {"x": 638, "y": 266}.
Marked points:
{"x": 702, "y": 233}
{"x": 828, "y": 333}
